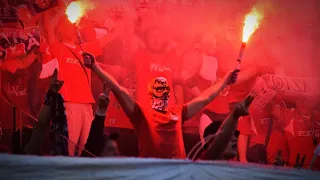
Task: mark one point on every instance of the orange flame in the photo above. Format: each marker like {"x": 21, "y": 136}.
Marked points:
{"x": 251, "y": 23}
{"x": 77, "y": 9}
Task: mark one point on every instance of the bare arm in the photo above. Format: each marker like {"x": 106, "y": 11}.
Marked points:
{"x": 40, "y": 127}
{"x": 127, "y": 103}
{"x": 95, "y": 142}
{"x": 194, "y": 106}
{"x": 48, "y": 27}
{"x": 222, "y": 138}
{"x": 226, "y": 131}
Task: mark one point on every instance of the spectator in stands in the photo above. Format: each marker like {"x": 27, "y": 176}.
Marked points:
{"x": 98, "y": 143}
{"x": 301, "y": 127}
{"x": 64, "y": 45}
{"x": 156, "y": 59}
{"x": 53, "y": 102}
{"x": 255, "y": 131}
{"x": 110, "y": 146}
{"x": 201, "y": 68}
{"x": 159, "y": 125}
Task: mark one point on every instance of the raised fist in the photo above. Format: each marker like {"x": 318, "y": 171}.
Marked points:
{"x": 88, "y": 60}
{"x": 232, "y": 76}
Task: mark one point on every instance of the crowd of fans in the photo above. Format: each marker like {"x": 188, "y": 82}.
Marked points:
{"x": 159, "y": 81}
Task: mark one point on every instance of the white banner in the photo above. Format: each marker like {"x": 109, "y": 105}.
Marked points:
{"x": 269, "y": 85}
{"x": 293, "y": 86}
{"x": 262, "y": 94}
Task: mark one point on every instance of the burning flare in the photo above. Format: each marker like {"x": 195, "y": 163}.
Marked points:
{"x": 251, "y": 23}
{"x": 77, "y": 9}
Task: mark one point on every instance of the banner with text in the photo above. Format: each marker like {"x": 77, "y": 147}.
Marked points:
{"x": 269, "y": 85}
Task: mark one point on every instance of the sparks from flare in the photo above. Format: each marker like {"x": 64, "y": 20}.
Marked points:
{"x": 75, "y": 11}
{"x": 251, "y": 23}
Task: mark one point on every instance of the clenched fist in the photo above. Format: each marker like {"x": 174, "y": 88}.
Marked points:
{"x": 88, "y": 60}
{"x": 232, "y": 76}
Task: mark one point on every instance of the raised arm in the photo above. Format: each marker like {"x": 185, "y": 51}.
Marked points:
{"x": 49, "y": 20}
{"x": 125, "y": 100}
{"x": 194, "y": 106}
{"x": 226, "y": 131}
{"x": 96, "y": 141}
{"x": 45, "y": 115}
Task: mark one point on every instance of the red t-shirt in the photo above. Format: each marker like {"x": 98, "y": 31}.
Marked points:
{"x": 77, "y": 84}
{"x": 299, "y": 135}
{"x": 149, "y": 67}
{"x": 256, "y": 126}
{"x": 159, "y": 135}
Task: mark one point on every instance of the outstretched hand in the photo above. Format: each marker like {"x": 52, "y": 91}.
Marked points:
{"x": 88, "y": 60}
{"x": 55, "y": 84}
{"x": 242, "y": 108}
{"x": 232, "y": 76}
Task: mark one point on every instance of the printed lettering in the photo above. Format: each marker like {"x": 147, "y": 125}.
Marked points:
{"x": 265, "y": 121}
{"x": 158, "y": 68}
{"x": 153, "y": 67}
{"x": 15, "y": 90}
{"x": 304, "y": 133}
{"x": 116, "y": 105}
{"x": 296, "y": 85}
{"x": 278, "y": 83}
{"x": 32, "y": 42}
{"x": 71, "y": 61}
{"x": 111, "y": 121}
{"x": 6, "y": 12}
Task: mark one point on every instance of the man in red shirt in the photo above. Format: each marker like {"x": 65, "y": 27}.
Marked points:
{"x": 159, "y": 125}
{"x": 62, "y": 39}
{"x": 301, "y": 127}
{"x": 156, "y": 60}
{"x": 254, "y": 143}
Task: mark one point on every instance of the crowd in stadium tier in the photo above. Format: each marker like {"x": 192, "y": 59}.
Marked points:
{"x": 131, "y": 83}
